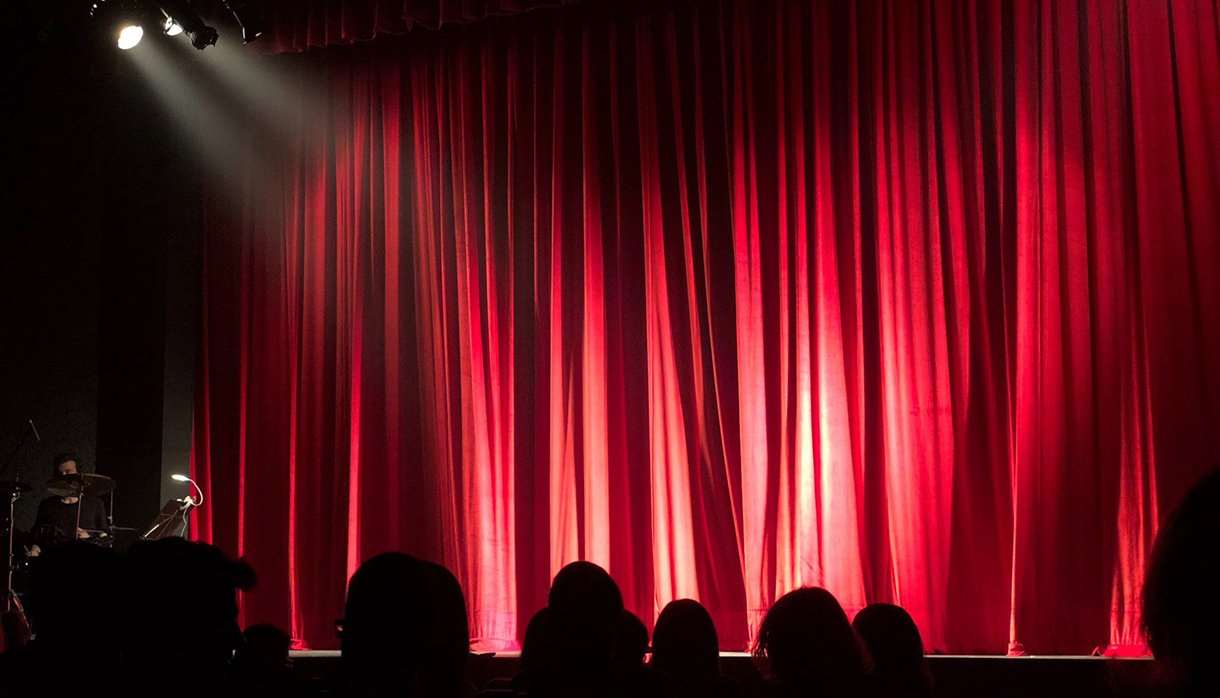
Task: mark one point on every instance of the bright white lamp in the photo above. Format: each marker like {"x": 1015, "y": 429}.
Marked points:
{"x": 130, "y": 35}
{"x": 178, "y": 477}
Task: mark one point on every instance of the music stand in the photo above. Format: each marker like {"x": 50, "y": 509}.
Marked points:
{"x": 172, "y": 520}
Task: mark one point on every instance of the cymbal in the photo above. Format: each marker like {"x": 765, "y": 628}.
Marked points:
{"x": 72, "y": 485}
{"x": 63, "y": 487}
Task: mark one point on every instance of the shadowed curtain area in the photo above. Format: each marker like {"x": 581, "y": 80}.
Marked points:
{"x": 913, "y": 300}
{"x": 298, "y": 25}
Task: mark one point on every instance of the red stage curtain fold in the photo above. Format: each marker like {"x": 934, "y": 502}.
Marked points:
{"x": 916, "y": 301}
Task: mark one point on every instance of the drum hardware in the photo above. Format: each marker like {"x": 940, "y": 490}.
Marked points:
{"x": 11, "y": 491}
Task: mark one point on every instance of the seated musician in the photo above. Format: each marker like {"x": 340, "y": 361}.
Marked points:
{"x": 57, "y": 520}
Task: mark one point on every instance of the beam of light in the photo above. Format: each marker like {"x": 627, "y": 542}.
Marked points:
{"x": 272, "y": 89}
{"x": 209, "y": 123}
{"x": 129, "y": 36}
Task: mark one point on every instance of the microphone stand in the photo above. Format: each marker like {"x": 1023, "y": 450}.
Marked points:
{"x": 12, "y": 456}
{"x": 11, "y": 494}
{"x": 80, "y": 502}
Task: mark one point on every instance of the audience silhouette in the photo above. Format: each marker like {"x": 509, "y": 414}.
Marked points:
{"x": 893, "y": 642}
{"x": 686, "y": 651}
{"x": 586, "y": 607}
{"x": 632, "y": 675}
{"x": 537, "y": 655}
{"x": 171, "y": 625}
{"x": 573, "y": 648}
{"x": 1181, "y": 602}
{"x": 180, "y": 617}
{"x": 630, "y": 643}
{"x": 70, "y": 605}
{"x": 808, "y": 647}
{"x": 261, "y": 664}
{"x": 404, "y": 631}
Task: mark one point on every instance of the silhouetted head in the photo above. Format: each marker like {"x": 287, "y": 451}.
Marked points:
{"x": 70, "y": 598}
{"x": 808, "y": 643}
{"x": 264, "y": 647}
{"x": 1181, "y": 604}
{"x": 684, "y": 643}
{"x": 537, "y": 649}
{"x": 630, "y": 642}
{"x": 585, "y": 607}
{"x": 181, "y": 605}
{"x": 586, "y": 590}
{"x": 893, "y": 642}
{"x": 405, "y": 628}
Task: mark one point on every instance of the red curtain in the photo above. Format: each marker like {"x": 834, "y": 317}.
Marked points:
{"x": 913, "y": 300}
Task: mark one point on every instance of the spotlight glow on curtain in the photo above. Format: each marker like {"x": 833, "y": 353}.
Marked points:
{"x": 913, "y": 300}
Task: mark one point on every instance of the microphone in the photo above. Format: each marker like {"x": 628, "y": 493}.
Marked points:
{"x": 35, "y": 430}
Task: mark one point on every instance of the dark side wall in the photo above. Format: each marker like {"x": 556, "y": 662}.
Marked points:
{"x": 97, "y": 259}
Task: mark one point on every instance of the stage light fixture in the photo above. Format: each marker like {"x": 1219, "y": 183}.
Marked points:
{"x": 174, "y": 17}
{"x": 126, "y": 18}
{"x": 204, "y": 38}
{"x": 129, "y": 36}
{"x": 181, "y": 12}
